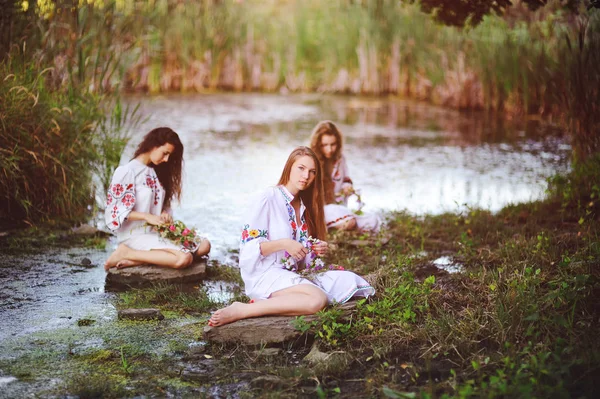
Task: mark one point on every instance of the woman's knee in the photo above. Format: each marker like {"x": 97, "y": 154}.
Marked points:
{"x": 317, "y": 301}
{"x": 203, "y": 248}
{"x": 350, "y": 224}
{"x": 183, "y": 260}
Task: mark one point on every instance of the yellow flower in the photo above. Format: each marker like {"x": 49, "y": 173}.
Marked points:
{"x": 253, "y": 233}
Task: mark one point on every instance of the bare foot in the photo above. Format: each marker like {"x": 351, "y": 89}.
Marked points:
{"x": 127, "y": 263}
{"x": 231, "y": 313}
{"x": 116, "y": 257}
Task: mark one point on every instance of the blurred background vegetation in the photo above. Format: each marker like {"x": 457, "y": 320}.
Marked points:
{"x": 75, "y": 57}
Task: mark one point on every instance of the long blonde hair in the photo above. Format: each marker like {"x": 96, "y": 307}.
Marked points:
{"x": 312, "y": 196}
{"x": 326, "y": 128}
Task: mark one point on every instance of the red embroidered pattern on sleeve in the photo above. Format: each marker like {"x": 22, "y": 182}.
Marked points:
{"x": 122, "y": 198}
{"x": 154, "y": 184}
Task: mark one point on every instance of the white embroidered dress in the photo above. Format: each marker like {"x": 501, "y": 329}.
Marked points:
{"x": 339, "y": 213}
{"x": 135, "y": 187}
{"x": 272, "y": 217}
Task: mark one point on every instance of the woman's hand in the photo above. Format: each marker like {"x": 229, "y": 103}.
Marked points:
{"x": 347, "y": 189}
{"x": 321, "y": 248}
{"x": 166, "y": 218}
{"x": 153, "y": 219}
{"x": 295, "y": 249}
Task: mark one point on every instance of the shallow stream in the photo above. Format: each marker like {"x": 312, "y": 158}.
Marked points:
{"x": 401, "y": 155}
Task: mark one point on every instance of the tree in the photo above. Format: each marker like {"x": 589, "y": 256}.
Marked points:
{"x": 459, "y": 12}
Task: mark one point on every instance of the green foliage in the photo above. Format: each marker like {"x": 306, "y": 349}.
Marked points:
{"x": 125, "y": 365}
{"x": 47, "y": 145}
{"x": 62, "y": 129}
{"x": 331, "y": 326}
{"x": 579, "y": 85}
{"x": 579, "y": 190}
{"x": 168, "y": 297}
{"x": 398, "y": 305}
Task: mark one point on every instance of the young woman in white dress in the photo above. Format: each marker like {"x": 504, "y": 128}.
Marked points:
{"x": 326, "y": 141}
{"x": 278, "y": 227}
{"x": 140, "y": 194}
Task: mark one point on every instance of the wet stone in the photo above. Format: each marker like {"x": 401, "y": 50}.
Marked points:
{"x": 200, "y": 372}
{"x": 324, "y": 362}
{"x": 270, "y": 330}
{"x": 147, "y": 275}
{"x": 140, "y": 314}
{"x": 269, "y": 382}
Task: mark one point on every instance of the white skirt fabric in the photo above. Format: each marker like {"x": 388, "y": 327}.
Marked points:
{"x": 149, "y": 241}
{"x": 338, "y": 285}
{"x": 336, "y": 215}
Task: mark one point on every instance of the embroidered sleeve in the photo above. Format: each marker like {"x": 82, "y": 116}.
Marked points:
{"x": 120, "y": 198}
{"x": 257, "y": 221}
{"x": 255, "y": 232}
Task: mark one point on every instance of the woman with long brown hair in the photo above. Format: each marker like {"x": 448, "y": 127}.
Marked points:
{"x": 283, "y": 237}
{"x": 140, "y": 195}
{"x": 326, "y": 141}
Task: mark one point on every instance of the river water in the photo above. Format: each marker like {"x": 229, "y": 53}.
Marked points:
{"x": 401, "y": 155}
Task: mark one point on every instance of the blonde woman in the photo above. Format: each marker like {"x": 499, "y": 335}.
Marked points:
{"x": 274, "y": 247}
{"x": 327, "y": 142}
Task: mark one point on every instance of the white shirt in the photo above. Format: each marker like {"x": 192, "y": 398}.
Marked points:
{"x": 134, "y": 187}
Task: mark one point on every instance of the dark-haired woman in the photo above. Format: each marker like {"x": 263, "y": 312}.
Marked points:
{"x": 284, "y": 226}
{"x": 140, "y": 194}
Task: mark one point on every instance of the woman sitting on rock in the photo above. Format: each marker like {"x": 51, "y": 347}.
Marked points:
{"x": 326, "y": 142}
{"x": 282, "y": 239}
{"x": 140, "y": 194}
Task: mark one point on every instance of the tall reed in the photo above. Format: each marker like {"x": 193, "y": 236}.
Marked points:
{"x": 383, "y": 47}
{"x": 63, "y": 127}
{"x": 578, "y": 86}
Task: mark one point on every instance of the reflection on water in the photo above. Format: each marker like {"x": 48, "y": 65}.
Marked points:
{"x": 446, "y": 263}
{"x": 401, "y": 155}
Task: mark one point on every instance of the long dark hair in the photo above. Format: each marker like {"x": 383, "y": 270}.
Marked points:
{"x": 169, "y": 173}
{"x": 326, "y": 128}
{"x": 312, "y": 196}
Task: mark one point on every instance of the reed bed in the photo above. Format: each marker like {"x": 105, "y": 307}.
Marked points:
{"x": 377, "y": 48}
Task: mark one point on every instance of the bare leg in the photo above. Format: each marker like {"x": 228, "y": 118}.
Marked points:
{"x": 161, "y": 257}
{"x": 302, "y": 299}
{"x": 203, "y": 248}
{"x": 349, "y": 224}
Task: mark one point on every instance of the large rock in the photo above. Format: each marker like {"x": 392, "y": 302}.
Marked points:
{"x": 146, "y": 275}
{"x": 268, "y": 330}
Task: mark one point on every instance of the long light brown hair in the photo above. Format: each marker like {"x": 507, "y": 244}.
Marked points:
{"x": 169, "y": 173}
{"x": 312, "y": 196}
{"x": 327, "y": 128}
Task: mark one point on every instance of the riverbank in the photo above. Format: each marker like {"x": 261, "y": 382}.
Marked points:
{"x": 516, "y": 316}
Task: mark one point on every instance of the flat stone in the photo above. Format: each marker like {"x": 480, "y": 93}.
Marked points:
{"x": 150, "y": 274}
{"x": 140, "y": 314}
{"x": 269, "y": 382}
{"x": 323, "y": 362}
{"x": 87, "y": 230}
{"x": 268, "y": 330}
{"x": 202, "y": 372}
